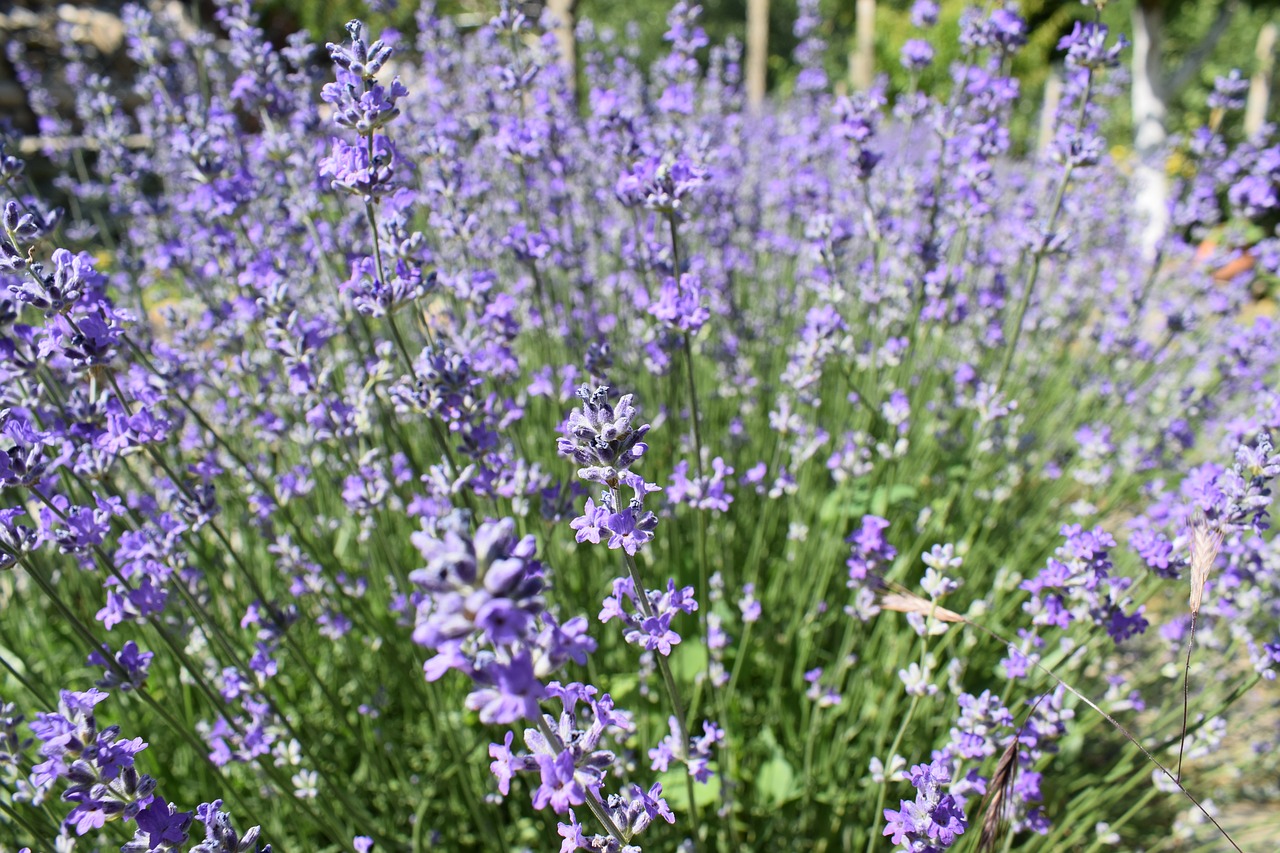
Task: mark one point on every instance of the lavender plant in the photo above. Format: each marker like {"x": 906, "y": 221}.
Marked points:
{"x": 323, "y": 470}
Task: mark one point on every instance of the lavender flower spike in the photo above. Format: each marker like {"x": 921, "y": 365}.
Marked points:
{"x": 602, "y": 438}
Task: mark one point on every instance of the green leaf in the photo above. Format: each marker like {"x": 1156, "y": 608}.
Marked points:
{"x": 687, "y": 661}
{"x": 843, "y": 504}
{"x": 885, "y": 498}
{"x": 341, "y": 540}
{"x": 902, "y": 493}
{"x": 623, "y": 685}
{"x": 676, "y": 790}
{"x": 776, "y": 781}
{"x": 880, "y": 502}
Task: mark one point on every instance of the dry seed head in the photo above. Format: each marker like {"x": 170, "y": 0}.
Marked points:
{"x": 1206, "y": 542}
{"x": 901, "y": 603}
{"x": 995, "y": 804}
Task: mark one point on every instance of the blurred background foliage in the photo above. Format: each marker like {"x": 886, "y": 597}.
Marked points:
{"x": 1189, "y": 30}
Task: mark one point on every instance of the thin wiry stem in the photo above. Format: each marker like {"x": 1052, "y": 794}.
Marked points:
{"x": 1186, "y": 694}
{"x": 1115, "y": 724}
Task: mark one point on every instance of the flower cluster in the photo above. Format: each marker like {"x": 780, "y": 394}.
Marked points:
{"x": 480, "y": 608}
{"x": 934, "y": 820}
{"x": 697, "y": 754}
{"x": 96, "y": 763}
{"x": 1077, "y": 584}
{"x": 603, "y": 437}
{"x": 1242, "y": 495}
{"x": 367, "y": 168}
{"x": 648, "y": 624}
{"x": 102, "y": 781}
{"x": 680, "y": 303}
{"x": 604, "y": 440}
{"x": 871, "y": 552}
{"x": 708, "y": 491}
{"x": 576, "y": 762}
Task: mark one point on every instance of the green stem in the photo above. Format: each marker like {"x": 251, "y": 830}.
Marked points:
{"x": 668, "y": 680}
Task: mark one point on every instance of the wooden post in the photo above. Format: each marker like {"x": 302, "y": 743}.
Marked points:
{"x": 862, "y": 60}
{"x": 1049, "y": 112}
{"x": 1255, "y": 108}
{"x": 566, "y": 40}
{"x": 757, "y": 51}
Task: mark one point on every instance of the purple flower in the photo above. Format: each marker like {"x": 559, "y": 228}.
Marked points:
{"x": 571, "y": 832}
{"x": 559, "y": 788}
{"x": 357, "y": 170}
{"x": 924, "y": 13}
{"x": 917, "y": 55}
{"x": 361, "y": 59}
{"x": 363, "y": 111}
{"x": 680, "y": 304}
{"x": 504, "y": 765}
{"x": 1229, "y": 91}
{"x": 1077, "y": 582}
{"x": 659, "y": 184}
{"x": 749, "y": 604}
{"x": 933, "y": 821}
{"x": 23, "y": 462}
{"x": 593, "y": 521}
{"x": 648, "y": 627}
{"x": 97, "y": 764}
{"x": 512, "y": 693}
{"x": 706, "y": 492}
{"x": 87, "y": 341}
{"x": 1086, "y": 46}
{"x": 658, "y": 635}
{"x": 870, "y": 552}
{"x": 221, "y": 836}
{"x": 630, "y": 528}
{"x": 487, "y": 583}
{"x": 127, "y": 669}
{"x": 602, "y": 437}
{"x": 159, "y": 824}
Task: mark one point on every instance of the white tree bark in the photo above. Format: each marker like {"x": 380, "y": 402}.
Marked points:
{"x": 862, "y": 59}
{"x": 1255, "y": 108}
{"x": 757, "y": 51}
{"x": 1149, "y": 109}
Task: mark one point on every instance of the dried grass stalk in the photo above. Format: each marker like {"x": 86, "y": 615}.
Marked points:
{"x": 906, "y": 603}
{"x": 994, "y": 824}
{"x": 1206, "y": 542}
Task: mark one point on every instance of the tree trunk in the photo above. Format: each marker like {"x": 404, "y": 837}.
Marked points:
{"x": 1255, "y": 108}
{"x": 566, "y": 40}
{"x": 862, "y": 59}
{"x": 1149, "y": 135}
{"x": 757, "y": 51}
